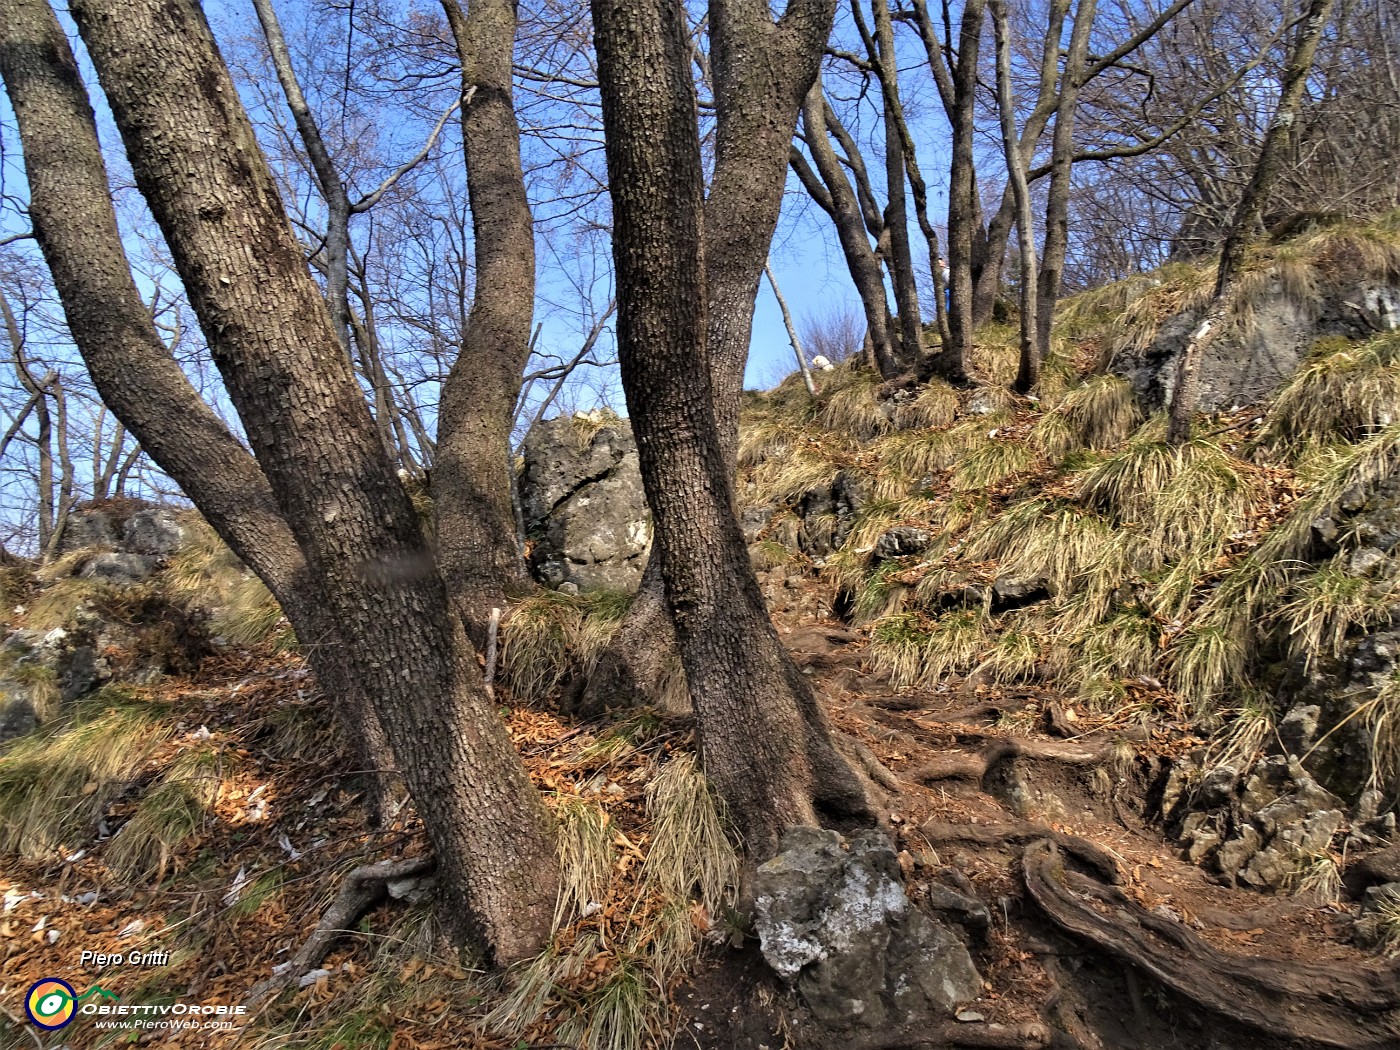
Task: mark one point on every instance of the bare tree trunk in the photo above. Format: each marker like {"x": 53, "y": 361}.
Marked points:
{"x": 765, "y": 743}
{"x": 70, "y": 206}
{"x": 953, "y": 361}
{"x": 472, "y": 473}
{"x": 850, "y": 230}
{"x": 792, "y": 333}
{"x": 1029, "y": 371}
{"x": 1247, "y": 214}
{"x": 762, "y": 71}
{"x": 1052, "y": 263}
{"x": 197, "y": 163}
{"x": 63, "y": 506}
{"x": 39, "y": 394}
{"x": 337, "y": 245}
{"x": 900, "y": 259}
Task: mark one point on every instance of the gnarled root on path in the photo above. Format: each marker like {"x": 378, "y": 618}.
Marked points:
{"x": 363, "y": 888}
{"x": 1333, "y": 1004}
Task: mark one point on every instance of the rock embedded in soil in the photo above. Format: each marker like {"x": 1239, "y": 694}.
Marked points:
{"x": 834, "y": 921}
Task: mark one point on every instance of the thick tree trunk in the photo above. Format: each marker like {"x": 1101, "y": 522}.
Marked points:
{"x": 199, "y": 167}
{"x": 1029, "y": 371}
{"x": 761, "y": 71}
{"x": 766, "y": 746}
{"x": 1266, "y": 171}
{"x": 76, "y": 226}
{"x": 473, "y": 476}
{"x": 953, "y": 361}
{"x": 1052, "y": 261}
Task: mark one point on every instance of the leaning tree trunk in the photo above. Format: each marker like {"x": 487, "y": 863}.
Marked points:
{"x": 901, "y": 256}
{"x": 198, "y": 164}
{"x": 473, "y": 475}
{"x": 1251, "y": 207}
{"x": 76, "y": 226}
{"x": 850, "y": 230}
{"x": 766, "y": 746}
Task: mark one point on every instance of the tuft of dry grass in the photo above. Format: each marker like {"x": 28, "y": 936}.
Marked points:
{"x": 1343, "y": 393}
{"x": 168, "y": 815}
{"x": 55, "y": 783}
{"x": 935, "y": 406}
{"x": 549, "y": 637}
{"x": 1328, "y": 603}
{"x": 847, "y": 404}
{"x": 586, "y": 856}
{"x": 1180, "y": 497}
{"x": 990, "y": 464}
{"x": 1101, "y": 412}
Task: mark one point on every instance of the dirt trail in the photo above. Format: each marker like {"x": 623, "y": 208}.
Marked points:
{"x": 1102, "y": 936}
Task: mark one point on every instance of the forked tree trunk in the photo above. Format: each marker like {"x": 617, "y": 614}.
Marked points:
{"x": 198, "y": 164}
{"x": 765, "y": 744}
{"x": 761, "y": 71}
{"x": 76, "y": 226}
{"x": 473, "y": 475}
{"x": 1266, "y": 171}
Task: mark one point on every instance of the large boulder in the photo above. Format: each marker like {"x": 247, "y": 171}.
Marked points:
{"x": 583, "y": 504}
{"x": 1243, "y": 365}
{"x": 834, "y": 921}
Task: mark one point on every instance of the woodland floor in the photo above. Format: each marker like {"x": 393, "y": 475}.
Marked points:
{"x": 285, "y": 829}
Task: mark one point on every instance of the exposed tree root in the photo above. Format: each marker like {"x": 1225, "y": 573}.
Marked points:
{"x": 1331, "y": 1005}
{"x": 1019, "y": 833}
{"x": 961, "y": 765}
{"x": 872, "y": 766}
{"x": 955, "y": 1034}
{"x": 363, "y": 888}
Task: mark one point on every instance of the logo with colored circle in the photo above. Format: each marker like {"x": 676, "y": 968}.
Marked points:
{"x": 50, "y": 1003}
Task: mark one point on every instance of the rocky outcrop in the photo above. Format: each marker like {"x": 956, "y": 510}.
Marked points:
{"x": 1244, "y": 365}
{"x": 1263, "y": 829}
{"x": 1333, "y": 709}
{"x": 583, "y": 505}
{"x": 828, "y": 512}
{"x": 834, "y": 921}
{"x": 42, "y": 671}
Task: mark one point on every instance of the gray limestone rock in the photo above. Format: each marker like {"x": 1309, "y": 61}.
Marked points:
{"x": 1243, "y": 368}
{"x": 120, "y": 568}
{"x": 901, "y": 541}
{"x": 583, "y": 505}
{"x": 836, "y": 923}
{"x": 156, "y": 532}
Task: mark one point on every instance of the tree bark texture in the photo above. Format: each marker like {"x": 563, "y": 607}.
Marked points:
{"x": 76, "y": 227}
{"x": 761, "y": 71}
{"x": 197, "y": 163}
{"x": 765, "y": 743}
{"x": 1052, "y": 260}
{"x": 1029, "y": 370}
{"x": 1266, "y": 171}
{"x": 473, "y": 475}
{"x": 955, "y": 358}
{"x": 850, "y": 231}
